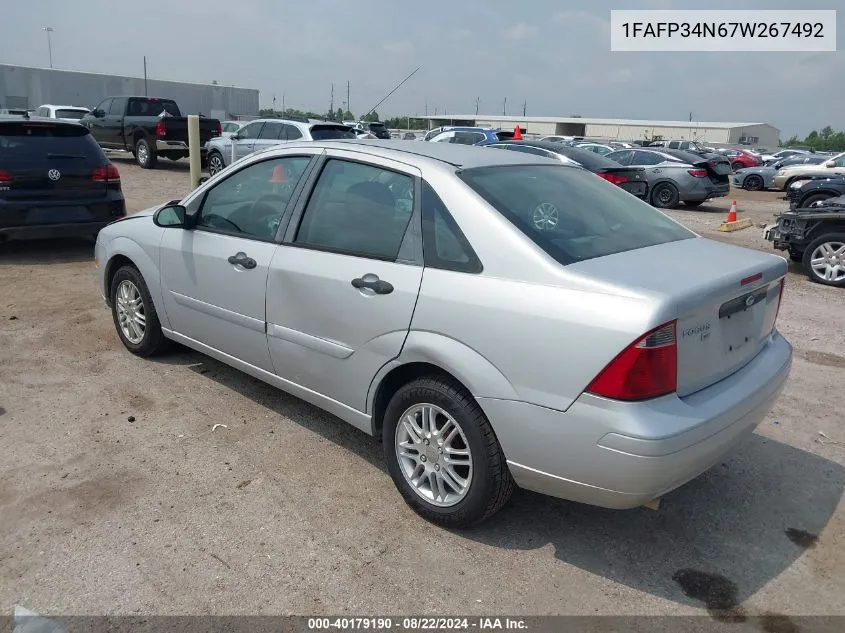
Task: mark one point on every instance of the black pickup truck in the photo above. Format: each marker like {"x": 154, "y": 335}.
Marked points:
{"x": 148, "y": 127}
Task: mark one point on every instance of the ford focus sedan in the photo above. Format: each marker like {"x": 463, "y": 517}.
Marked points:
{"x": 496, "y": 318}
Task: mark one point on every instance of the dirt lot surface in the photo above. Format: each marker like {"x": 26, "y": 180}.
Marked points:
{"x": 118, "y": 496}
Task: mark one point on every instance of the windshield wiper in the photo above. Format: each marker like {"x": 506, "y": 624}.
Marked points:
{"x": 52, "y": 155}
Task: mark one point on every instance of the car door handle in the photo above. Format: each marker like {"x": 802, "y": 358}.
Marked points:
{"x": 242, "y": 260}
{"x": 372, "y": 282}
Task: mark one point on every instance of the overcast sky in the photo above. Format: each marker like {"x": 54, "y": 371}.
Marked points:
{"x": 553, "y": 54}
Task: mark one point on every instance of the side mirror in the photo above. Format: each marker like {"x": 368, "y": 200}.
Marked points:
{"x": 171, "y": 216}
{"x": 830, "y": 163}
{"x": 97, "y": 113}
{"x": 235, "y": 137}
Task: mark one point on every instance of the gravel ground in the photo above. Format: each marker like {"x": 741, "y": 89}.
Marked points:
{"x": 118, "y": 496}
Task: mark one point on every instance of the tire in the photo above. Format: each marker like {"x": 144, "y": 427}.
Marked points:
{"x": 753, "y": 183}
{"x": 693, "y": 204}
{"x": 490, "y": 484}
{"x": 145, "y": 156}
{"x": 737, "y": 166}
{"x": 215, "y": 163}
{"x": 833, "y": 272}
{"x": 665, "y": 196}
{"x": 816, "y": 197}
{"x": 152, "y": 340}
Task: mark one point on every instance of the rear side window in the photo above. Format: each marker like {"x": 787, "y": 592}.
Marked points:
{"x": 358, "y": 209}
{"x": 272, "y": 131}
{"x": 468, "y": 138}
{"x": 569, "y": 213}
{"x": 444, "y": 245}
{"x": 34, "y": 142}
{"x": 152, "y": 107}
{"x": 328, "y": 132}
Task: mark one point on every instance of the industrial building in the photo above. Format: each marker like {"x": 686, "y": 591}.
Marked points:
{"x": 717, "y": 133}
{"x": 26, "y": 87}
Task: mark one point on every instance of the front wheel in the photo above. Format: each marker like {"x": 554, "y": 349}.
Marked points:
{"x": 824, "y": 260}
{"x": 134, "y": 314}
{"x": 443, "y": 455}
{"x": 665, "y": 196}
{"x": 753, "y": 183}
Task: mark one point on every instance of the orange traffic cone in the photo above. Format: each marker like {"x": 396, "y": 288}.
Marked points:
{"x": 279, "y": 176}
{"x": 517, "y": 134}
{"x": 732, "y": 212}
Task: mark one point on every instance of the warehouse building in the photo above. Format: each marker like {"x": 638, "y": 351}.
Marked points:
{"x": 717, "y": 133}
{"x": 25, "y": 87}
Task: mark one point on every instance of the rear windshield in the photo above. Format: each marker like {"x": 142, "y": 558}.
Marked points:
{"x": 377, "y": 126}
{"x": 152, "y": 107}
{"x": 329, "y": 132}
{"x": 36, "y": 141}
{"x": 586, "y": 158}
{"x": 70, "y": 114}
{"x": 570, "y": 213}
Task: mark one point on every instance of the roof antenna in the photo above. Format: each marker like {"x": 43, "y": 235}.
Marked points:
{"x": 391, "y": 92}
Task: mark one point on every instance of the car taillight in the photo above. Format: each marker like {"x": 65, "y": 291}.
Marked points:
{"x": 647, "y": 368}
{"x": 161, "y": 128}
{"x": 5, "y": 177}
{"x": 780, "y": 300}
{"x": 218, "y": 131}
{"x": 107, "y": 173}
{"x": 698, "y": 173}
{"x": 616, "y": 179}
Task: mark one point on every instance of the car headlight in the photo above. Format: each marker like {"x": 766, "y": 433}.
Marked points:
{"x": 798, "y": 184}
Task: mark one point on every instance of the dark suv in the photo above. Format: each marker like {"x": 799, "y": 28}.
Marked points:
{"x": 377, "y": 128}
{"x": 55, "y": 181}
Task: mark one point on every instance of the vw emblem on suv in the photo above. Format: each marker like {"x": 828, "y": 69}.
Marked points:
{"x": 54, "y": 174}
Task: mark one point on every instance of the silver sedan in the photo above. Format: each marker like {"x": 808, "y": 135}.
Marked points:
{"x": 497, "y": 318}
{"x": 754, "y": 178}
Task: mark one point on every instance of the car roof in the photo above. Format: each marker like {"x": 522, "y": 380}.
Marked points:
{"x": 18, "y": 118}
{"x": 464, "y": 156}
{"x": 63, "y": 107}
{"x": 585, "y": 157}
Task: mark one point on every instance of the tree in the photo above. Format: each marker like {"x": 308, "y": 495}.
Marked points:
{"x": 338, "y": 116}
{"x": 371, "y": 116}
{"x": 828, "y": 140}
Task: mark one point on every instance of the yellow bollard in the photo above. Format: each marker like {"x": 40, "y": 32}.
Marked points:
{"x": 194, "y": 149}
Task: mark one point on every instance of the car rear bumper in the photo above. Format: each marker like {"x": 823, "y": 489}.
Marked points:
{"x": 622, "y": 455}
{"x": 178, "y": 146}
{"x": 46, "y": 219}
{"x": 43, "y": 231}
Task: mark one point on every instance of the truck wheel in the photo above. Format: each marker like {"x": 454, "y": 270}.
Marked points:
{"x": 824, "y": 260}
{"x": 145, "y": 155}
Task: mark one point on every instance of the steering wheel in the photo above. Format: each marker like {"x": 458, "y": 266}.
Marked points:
{"x": 274, "y": 205}
{"x": 213, "y": 217}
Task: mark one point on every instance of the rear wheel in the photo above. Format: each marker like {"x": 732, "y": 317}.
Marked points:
{"x": 145, "y": 156}
{"x": 753, "y": 183}
{"x": 134, "y": 314}
{"x": 737, "y": 166}
{"x": 665, "y": 196}
{"x": 215, "y": 163}
{"x": 443, "y": 455}
{"x": 824, "y": 260}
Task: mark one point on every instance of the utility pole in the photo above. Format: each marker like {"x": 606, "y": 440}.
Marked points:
{"x": 48, "y": 30}
{"x": 274, "y": 104}
{"x": 426, "y": 108}
{"x": 331, "y": 104}
{"x": 505, "y": 107}
{"x": 477, "y": 101}
{"x": 348, "y": 103}
{"x": 524, "y": 106}
{"x": 283, "y": 103}
{"x": 145, "y": 75}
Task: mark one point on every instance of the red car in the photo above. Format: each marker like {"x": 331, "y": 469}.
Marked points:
{"x": 740, "y": 159}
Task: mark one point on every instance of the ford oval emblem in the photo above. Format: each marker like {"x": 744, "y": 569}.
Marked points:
{"x": 54, "y": 174}
{"x": 749, "y": 300}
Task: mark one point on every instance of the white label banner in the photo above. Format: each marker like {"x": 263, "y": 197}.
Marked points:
{"x": 725, "y": 30}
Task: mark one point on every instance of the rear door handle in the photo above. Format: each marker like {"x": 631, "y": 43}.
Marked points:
{"x": 372, "y": 282}
{"x": 241, "y": 259}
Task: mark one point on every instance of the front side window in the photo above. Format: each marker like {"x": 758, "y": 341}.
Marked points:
{"x": 840, "y": 160}
{"x": 104, "y": 106}
{"x": 272, "y": 131}
{"x": 569, "y": 213}
{"x": 647, "y": 158}
{"x": 250, "y": 202}
{"x": 251, "y": 131}
{"x": 118, "y": 106}
{"x": 358, "y": 209}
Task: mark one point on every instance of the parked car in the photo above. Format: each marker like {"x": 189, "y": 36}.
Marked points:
{"x": 834, "y": 166}
{"x": 781, "y": 154}
{"x": 409, "y": 136}
{"x": 470, "y": 136}
{"x": 433, "y": 132}
{"x": 754, "y": 178}
{"x": 742, "y": 158}
{"x": 260, "y": 134}
{"x": 55, "y": 181}
{"x": 615, "y": 383}
{"x": 631, "y": 179}
{"x": 814, "y": 236}
{"x": 228, "y": 128}
{"x": 148, "y": 127}
{"x": 676, "y": 176}
{"x": 804, "y": 194}
{"x": 800, "y": 159}
{"x": 62, "y": 112}
{"x": 687, "y": 146}
{"x": 561, "y": 139}
{"x": 596, "y": 148}
{"x": 377, "y": 128}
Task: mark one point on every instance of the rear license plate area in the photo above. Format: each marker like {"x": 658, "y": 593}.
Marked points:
{"x": 738, "y": 322}
{"x": 59, "y": 215}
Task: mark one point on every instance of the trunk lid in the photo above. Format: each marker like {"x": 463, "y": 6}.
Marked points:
{"x": 724, "y": 298}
